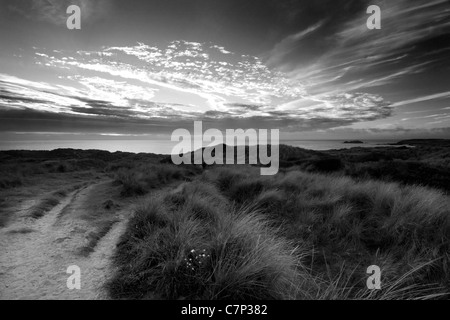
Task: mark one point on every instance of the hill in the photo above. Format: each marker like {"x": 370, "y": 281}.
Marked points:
{"x": 421, "y": 162}
{"x": 224, "y": 231}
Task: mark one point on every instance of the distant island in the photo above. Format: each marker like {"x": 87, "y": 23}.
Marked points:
{"x": 354, "y": 141}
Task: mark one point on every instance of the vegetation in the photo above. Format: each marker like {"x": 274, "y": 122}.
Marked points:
{"x": 424, "y": 162}
{"x": 44, "y": 206}
{"x": 21, "y": 231}
{"x": 295, "y": 235}
{"x": 50, "y": 201}
{"x": 102, "y": 227}
{"x": 141, "y": 179}
{"x": 194, "y": 244}
{"x": 225, "y": 232}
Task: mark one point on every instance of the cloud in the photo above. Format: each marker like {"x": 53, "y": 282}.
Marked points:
{"x": 221, "y": 49}
{"x": 348, "y": 56}
{"x": 442, "y": 95}
{"x": 54, "y": 11}
{"x": 178, "y": 84}
{"x": 291, "y": 42}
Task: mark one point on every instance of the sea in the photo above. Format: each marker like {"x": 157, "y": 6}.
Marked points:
{"x": 165, "y": 147}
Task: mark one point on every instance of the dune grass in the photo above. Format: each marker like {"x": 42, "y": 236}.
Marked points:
{"x": 140, "y": 179}
{"x": 5, "y": 214}
{"x": 45, "y": 205}
{"x": 233, "y": 234}
{"x": 23, "y": 230}
{"x": 101, "y": 229}
{"x": 193, "y": 245}
{"x": 399, "y": 228}
{"x": 48, "y": 202}
{"x": 10, "y": 180}
{"x": 99, "y": 211}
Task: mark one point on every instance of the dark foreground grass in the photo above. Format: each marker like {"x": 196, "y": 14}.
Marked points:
{"x": 5, "y": 214}
{"x": 100, "y": 212}
{"x": 297, "y": 235}
{"x": 21, "y": 231}
{"x": 10, "y": 180}
{"x": 356, "y": 224}
{"x": 50, "y": 201}
{"x": 140, "y": 179}
{"x": 192, "y": 244}
{"x": 102, "y": 228}
{"x": 45, "y": 205}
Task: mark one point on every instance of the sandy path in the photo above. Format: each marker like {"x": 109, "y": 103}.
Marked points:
{"x": 33, "y": 265}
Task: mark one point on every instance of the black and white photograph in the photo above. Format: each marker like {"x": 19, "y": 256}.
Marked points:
{"x": 204, "y": 151}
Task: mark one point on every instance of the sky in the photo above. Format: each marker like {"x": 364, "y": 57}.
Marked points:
{"x": 139, "y": 69}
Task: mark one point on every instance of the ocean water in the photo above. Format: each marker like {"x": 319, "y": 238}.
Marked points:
{"x": 335, "y": 144}
{"x": 165, "y": 147}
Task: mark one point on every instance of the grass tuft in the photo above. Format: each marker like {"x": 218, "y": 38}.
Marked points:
{"x": 235, "y": 235}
